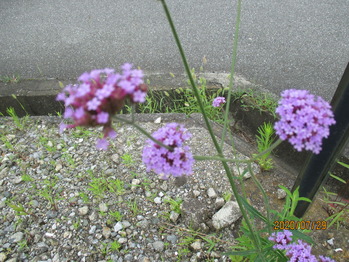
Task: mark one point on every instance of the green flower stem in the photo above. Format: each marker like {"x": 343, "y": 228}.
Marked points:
{"x": 200, "y": 158}
{"x": 255, "y": 239}
{"x": 254, "y": 158}
{"x": 232, "y": 70}
{"x": 265, "y": 197}
{"x": 143, "y": 132}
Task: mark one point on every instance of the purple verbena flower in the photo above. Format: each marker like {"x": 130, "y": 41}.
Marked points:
{"x": 164, "y": 162}
{"x": 218, "y": 101}
{"x": 99, "y": 96}
{"x": 300, "y": 252}
{"x": 281, "y": 238}
{"x": 304, "y": 119}
{"x": 297, "y": 251}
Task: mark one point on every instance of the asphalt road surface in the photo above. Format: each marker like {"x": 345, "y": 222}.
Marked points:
{"x": 282, "y": 44}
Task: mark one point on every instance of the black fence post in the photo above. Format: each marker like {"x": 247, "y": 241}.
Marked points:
{"x": 316, "y": 168}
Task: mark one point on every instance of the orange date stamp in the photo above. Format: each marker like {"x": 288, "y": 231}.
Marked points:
{"x": 301, "y": 225}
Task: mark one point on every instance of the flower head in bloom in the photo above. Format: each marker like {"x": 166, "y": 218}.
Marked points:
{"x": 99, "y": 96}
{"x": 164, "y": 162}
{"x": 296, "y": 251}
{"x": 304, "y": 119}
{"x": 300, "y": 251}
{"x": 282, "y": 239}
{"x": 218, "y": 101}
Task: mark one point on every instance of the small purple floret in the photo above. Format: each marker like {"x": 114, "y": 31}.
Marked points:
{"x": 218, "y": 101}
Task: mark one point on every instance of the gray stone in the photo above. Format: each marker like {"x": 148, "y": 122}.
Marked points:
{"x": 174, "y": 216}
{"x": 12, "y": 260}
{"x": 211, "y": 193}
{"x": 196, "y": 193}
{"x": 2, "y": 203}
{"x": 122, "y": 240}
{"x": 17, "y": 237}
{"x": 2, "y": 257}
{"x": 106, "y": 232}
{"x": 115, "y": 158}
{"x": 281, "y": 193}
{"x": 58, "y": 167}
{"x": 219, "y": 203}
{"x": 143, "y": 224}
{"x": 158, "y": 246}
{"x": 34, "y": 203}
{"x": 172, "y": 238}
{"x": 83, "y": 210}
{"x": 227, "y": 215}
{"x": 126, "y": 224}
{"x": 157, "y": 200}
{"x": 103, "y": 207}
{"x": 196, "y": 246}
{"x": 17, "y": 180}
{"x": 40, "y": 248}
{"x": 118, "y": 226}
{"x": 92, "y": 230}
{"x": 51, "y": 214}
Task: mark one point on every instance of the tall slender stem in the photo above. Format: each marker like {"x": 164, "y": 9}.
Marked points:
{"x": 232, "y": 70}
{"x": 143, "y": 132}
{"x": 214, "y": 140}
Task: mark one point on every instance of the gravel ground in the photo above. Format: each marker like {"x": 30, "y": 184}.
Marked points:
{"x": 63, "y": 200}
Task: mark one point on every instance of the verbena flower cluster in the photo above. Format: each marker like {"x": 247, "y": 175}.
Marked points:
{"x": 100, "y": 95}
{"x": 297, "y": 251}
{"x": 164, "y": 162}
{"x": 304, "y": 119}
{"x": 218, "y": 101}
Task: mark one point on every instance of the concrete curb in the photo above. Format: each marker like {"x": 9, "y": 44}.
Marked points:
{"x": 37, "y": 96}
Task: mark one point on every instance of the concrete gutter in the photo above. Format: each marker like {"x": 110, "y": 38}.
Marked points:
{"x": 37, "y": 96}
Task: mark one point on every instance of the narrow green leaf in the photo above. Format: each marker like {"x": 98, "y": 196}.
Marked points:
{"x": 241, "y": 253}
{"x": 338, "y": 178}
{"x": 253, "y": 211}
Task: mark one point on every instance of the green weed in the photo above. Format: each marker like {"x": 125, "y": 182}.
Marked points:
{"x": 133, "y": 205}
{"x": 127, "y": 160}
{"x": 175, "y": 204}
{"x": 116, "y": 215}
{"x": 19, "y": 122}
{"x": 19, "y": 209}
{"x": 265, "y": 139}
{"x": 337, "y": 207}
{"x": 10, "y": 79}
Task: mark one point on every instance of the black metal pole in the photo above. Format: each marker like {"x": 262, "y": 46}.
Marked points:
{"x": 316, "y": 168}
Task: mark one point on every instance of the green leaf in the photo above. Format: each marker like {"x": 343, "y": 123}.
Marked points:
{"x": 304, "y": 199}
{"x": 338, "y": 178}
{"x": 343, "y": 164}
{"x": 241, "y": 253}
{"x": 302, "y": 236}
{"x": 253, "y": 211}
